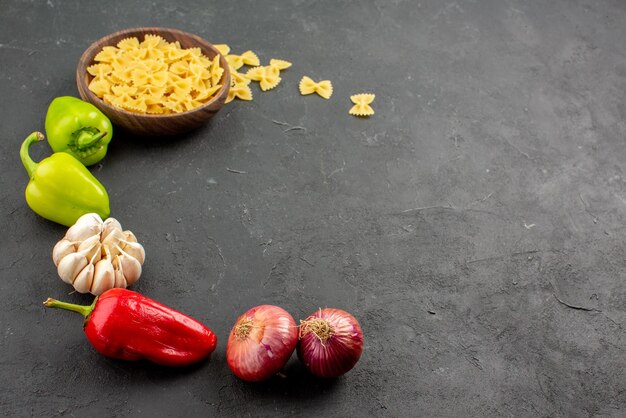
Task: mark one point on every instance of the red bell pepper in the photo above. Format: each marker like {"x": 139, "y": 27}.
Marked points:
{"x": 125, "y": 325}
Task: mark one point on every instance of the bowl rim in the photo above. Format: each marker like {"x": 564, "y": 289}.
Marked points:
{"x": 105, "y": 41}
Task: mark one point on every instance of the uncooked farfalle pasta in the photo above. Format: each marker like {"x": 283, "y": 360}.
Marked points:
{"x": 324, "y": 88}
{"x": 239, "y": 83}
{"x": 223, "y": 49}
{"x": 239, "y": 91}
{"x": 280, "y": 64}
{"x": 247, "y": 58}
{"x": 362, "y": 104}
{"x": 239, "y": 87}
{"x": 154, "y": 76}
{"x": 268, "y": 76}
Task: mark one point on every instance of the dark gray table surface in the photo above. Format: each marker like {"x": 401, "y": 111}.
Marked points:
{"x": 474, "y": 225}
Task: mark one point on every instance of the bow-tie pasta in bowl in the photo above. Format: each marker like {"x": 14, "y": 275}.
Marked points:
{"x": 154, "y": 81}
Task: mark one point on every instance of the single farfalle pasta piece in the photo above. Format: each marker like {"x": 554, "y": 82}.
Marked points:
{"x": 280, "y": 64}
{"x": 239, "y": 91}
{"x": 254, "y": 73}
{"x": 180, "y": 87}
{"x": 238, "y": 78}
{"x": 323, "y": 88}
{"x": 152, "y": 42}
{"x": 362, "y": 104}
{"x": 238, "y": 61}
{"x": 180, "y": 68}
{"x": 215, "y": 71}
{"x": 100, "y": 70}
{"x": 151, "y": 92}
{"x": 128, "y": 44}
{"x": 108, "y": 54}
{"x": 154, "y": 107}
{"x": 208, "y": 92}
{"x": 201, "y": 73}
{"x": 234, "y": 61}
{"x": 267, "y": 76}
{"x": 124, "y": 92}
{"x": 135, "y": 105}
{"x": 223, "y": 49}
{"x": 173, "y": 104}
{"x": 95, "y": 255}
{"x": 250, "y": 58}
{"x": 172, "y": 53}
{"x": 100, "y": 87}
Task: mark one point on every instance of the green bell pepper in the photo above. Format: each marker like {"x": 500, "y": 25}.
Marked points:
{"x": 78, "y": 128}
{"x": 61, "y": 189}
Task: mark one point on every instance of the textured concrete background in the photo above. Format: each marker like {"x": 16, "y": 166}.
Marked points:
{"x": 474, "y": 225}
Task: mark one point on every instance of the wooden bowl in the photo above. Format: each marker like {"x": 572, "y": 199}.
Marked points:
{"x": 154, "y": 125}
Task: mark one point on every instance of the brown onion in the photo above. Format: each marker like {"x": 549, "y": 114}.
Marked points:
{"x": 331, "y": 342}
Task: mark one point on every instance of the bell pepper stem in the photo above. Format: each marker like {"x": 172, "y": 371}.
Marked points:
{"x": 84, "y": 310}
{"x": 87, "y": 138}
{"x": 28, "y": 162}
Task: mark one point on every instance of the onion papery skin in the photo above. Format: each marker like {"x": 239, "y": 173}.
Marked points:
{"x": 340, "y": 352}
{"x": 272, "y": 339}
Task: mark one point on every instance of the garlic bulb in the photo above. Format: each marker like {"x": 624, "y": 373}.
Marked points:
{"x": 96, "y": 255}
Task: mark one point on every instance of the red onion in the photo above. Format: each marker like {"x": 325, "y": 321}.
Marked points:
{"x": 331, "y": 342}
{"x": 261, "y": 342}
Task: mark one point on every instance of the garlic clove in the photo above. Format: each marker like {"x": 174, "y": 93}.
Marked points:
{"x": 130, "y": 267}
{"x": 96, "y": 254}
{"x": 84, "y": 279}
{"x": 109, "y": 225}
{"x": 61, "y": 249}
{"x": 91, "y": 218}
{"x": 112, "y": 241}
{"x": 70, "y": 266}
{"x": 89, "y": 243}
{"x": 136, "y": 250}
{"x": 120, "y": 280}
{"x": 103, "y": 277}
{"x": 129, "y": 236}
{"x": 91, "y": 248}
{"x": 85, "y": 227}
